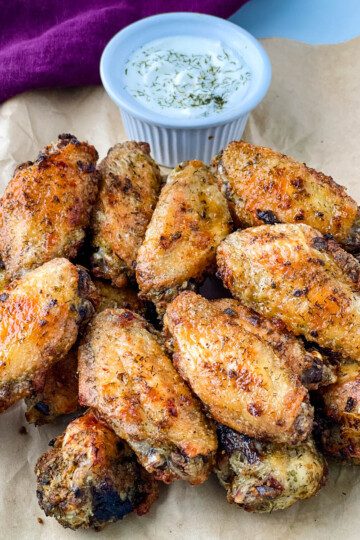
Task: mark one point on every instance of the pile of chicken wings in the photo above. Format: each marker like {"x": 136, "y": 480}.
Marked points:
{"x": 100, "y": 315}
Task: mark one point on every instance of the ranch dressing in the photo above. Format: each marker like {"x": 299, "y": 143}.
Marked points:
{"x": 185, "y": 76}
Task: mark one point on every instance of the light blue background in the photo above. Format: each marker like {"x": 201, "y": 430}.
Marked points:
{"x": 312, "y": 21}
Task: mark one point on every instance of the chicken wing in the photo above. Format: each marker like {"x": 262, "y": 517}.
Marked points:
{"x": 294, "y": 273}
{"x": 240, "y": 372}
{"x": 40, "y": 315}
{"x": 190, "y": 220}
{"x": 91, "y": 477}
{"x": 46, "y": 206}
{"x": 263, "y": 186}
{"x": 125, "y": 374}
{"x": 263, "y": 477}
{"x": 341, "y": 415}
{"x": 129, "y": 188}
{"x": 118, "y": 297}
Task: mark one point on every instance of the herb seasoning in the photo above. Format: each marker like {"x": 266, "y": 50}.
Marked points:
{"x": 185, "y": 76}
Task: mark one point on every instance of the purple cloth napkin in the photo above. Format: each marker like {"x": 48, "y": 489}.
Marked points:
{"x": 47, "y": 43}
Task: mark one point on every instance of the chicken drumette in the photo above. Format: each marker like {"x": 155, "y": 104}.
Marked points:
{"x": 91, "y": 477}
{"x": 263, "y": 186}
{"x": 190, "y": 220}
{"x": 129, "y": 187}
{"x": 40, "y": 315}
{"x": 125, "y": 373}
{"x": 295, "y": 274}
{"x": 46, "y": 207}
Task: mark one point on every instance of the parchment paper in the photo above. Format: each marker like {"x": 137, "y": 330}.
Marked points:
{"x": 312, "y": 112}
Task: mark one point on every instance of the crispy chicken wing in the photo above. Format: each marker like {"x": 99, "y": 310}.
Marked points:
{"x": 46, "y": 206}
{"x": 125, "y": 373}
{"x": 129, "y": 188}
{"x": 263, "y": 477}
{"x": 294, "y": 273}
{"x": 240, "y": 372}
{"x": 263, "y": 186}
{"x": 60, "y": 394}
{"x": 341, "y": 412}
{"x": 40, "y": 315}
{"x": 91, "y": 477}
{"x": 190, "y": 220}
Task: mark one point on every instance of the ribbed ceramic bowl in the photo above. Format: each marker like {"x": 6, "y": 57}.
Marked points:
{"x": 174, "y": 140}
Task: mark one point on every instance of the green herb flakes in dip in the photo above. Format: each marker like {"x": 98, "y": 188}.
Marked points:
{"x": 185, "y": 76}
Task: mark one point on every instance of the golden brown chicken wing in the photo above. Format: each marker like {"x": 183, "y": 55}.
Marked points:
{"x": 40, "y": 315}
{"x": 340, "y": 413}
{"x": 125, "y": 373}
{"x": 263, "y": 477}
{"x": 263, "y": 186}
{"x": 294, "y": 273}
{"x": 91, "y": 477}
{"x": 46, "y": 206}
{"x": 60, "y": 394}
{"x": 129, "y": 188}
{"x": 240, "y": 372}
{"x": 190, "y": 220}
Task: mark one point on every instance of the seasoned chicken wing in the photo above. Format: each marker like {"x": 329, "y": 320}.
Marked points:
{"x": 341, "y": 414}
{"x": 263, "y": 477}
{"x": 190, "y": 220}
{"x": 263, "y": 186}
{"x": 129, "y": 188}
{"x": 125, "y": 373}
{"x": 294, "y": 273}
{"x": 91, "y": 477}
{"x": 46, "y": 206}
{"x": 40, "y": 315}
{"x": 247, "y": 378}
{"x": 118, "y": 297}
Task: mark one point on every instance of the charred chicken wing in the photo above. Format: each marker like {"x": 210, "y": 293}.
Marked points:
{"x": 263, "y": 186}
{"x": 240, "y": 372}
{"x": 40, "y": 315}
{"x": 294, "y": 273}
{"x": 129, "y": 187}
{"x": 46, "y": 206}
{"x": 190, "y": 220}
{"x": 263, "y": 477}
{"x": 91, "y": 477}
{"x": 125, "y": 373}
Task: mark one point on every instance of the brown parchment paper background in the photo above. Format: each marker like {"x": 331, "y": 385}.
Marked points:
{"x": 312, "y": 112}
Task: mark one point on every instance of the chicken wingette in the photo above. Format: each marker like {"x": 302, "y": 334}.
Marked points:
{"x": 295, "y": 274}
{"x": 126, "y": 375}
{"x": 129, "y": 187}
{"x": 40, "y": 315}
{"x": 263, "y": 186}
{"x": 190, "y": 220}
{"x": 46, "y": 206}
{"x": 340, "y": 413}
{"x": 60, "y": 394}
{"x": 263, "y": 477}
{"x": 91, "y": 477}
{"x": 248, "y": 378}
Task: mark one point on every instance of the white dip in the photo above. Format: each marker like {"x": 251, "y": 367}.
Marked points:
{"x": 185, "y": 76}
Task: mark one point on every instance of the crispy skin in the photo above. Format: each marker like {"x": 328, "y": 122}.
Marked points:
{"x": 264, "y": 186}
{"x": 190, "y": 220}
{"x": 60, "y": 394}
{"x": 293, "y": 273}
{"x": 125, "y": 374}
{"x": 129, "y": 188}
{"x": 341, "y": 409}
{"x": 91, "y": 477}
{"x": 263, "y": 477}
{"x": 46, "y": 206}
{"x": 115, "y": 297}
{"x": 237, "y": 371}
{"x": 40, "y": 315}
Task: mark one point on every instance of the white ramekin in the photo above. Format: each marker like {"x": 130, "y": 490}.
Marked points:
{"x": 173, "y": 140}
